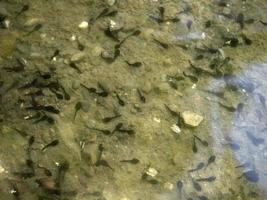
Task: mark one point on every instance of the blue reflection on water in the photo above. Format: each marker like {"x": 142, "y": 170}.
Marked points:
{"x": 247, "y": 135}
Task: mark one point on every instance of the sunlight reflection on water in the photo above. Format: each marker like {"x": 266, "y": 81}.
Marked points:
{"x": 248, "y": 129}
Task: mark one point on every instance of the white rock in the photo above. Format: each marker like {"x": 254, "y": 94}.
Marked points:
{"x": 73, "y": 38}
{"x": 156, "y": 119}
{"x": 151, "y": 172}
{"x": 2, "y": 170}
{"x": 83, "y": 25}
{"x": 194, "y": 86}
{"x": 175, "y": 128}
{"x": 112, "y": 25}
{"x": 6, "y": 23}
{"x": 192, "y": 119}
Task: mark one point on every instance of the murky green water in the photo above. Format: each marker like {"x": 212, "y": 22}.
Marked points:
{"x": 95, "y": 97}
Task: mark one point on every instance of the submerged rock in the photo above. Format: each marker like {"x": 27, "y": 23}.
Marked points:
{"x": 150, "y": 175}
{"x": 77, "y": 57}
{"x": 83, "y": 25}
{"x": 151, "y": 172}
{"x": 192, "y": 119}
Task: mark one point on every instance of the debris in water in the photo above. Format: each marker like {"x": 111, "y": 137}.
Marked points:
{"x": 51, "y": 144}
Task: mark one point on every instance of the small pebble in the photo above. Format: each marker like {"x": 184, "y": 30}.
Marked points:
{"x": 156, "y": 119}
{"x": 151, "y": 172}
{"x": 194, "y": 86}
{"x": 6, "y": 24}
{"x": 2, "y": 170}
{"x": 83, "y": 25}
{"x": 175, "y": 128}
{"x": 73, "y": 38}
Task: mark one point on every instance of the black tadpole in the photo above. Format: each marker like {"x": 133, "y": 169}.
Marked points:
{"x": 66, "y": 95}
{"x": 198, "y": 167}
{"x": 74, "y": 66}
{"x": 25, "y": 8}
{"x": 109, "y": 119}
{"x": 120, "y": 101}
{"x": 211, "y": 160}
{"x": 132, "y": 161}
{"x": 179, "y": 185}
{"x": 194, "y": 148}
{"x": 104, "y": 131}
{"x": 78, "y": 107}
{"x": 103, "y": 163}
{"x": 196, "y": 185}
{"x": 141, "y": 96}
{"x": 162, "y": 44}
{"x": 203, "y": 142}
{"x": 134, "y": 64}
{"x": 208, "y": 179}
{"x": 36, "y": 28}
{"x": 51, "y": 144}
{"x": 117, "y": 127}
{"x": 263, "y": 23}
{"x": 56, "y": 53}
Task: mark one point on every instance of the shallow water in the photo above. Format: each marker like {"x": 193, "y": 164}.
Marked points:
{"x": 196, "y": 57}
